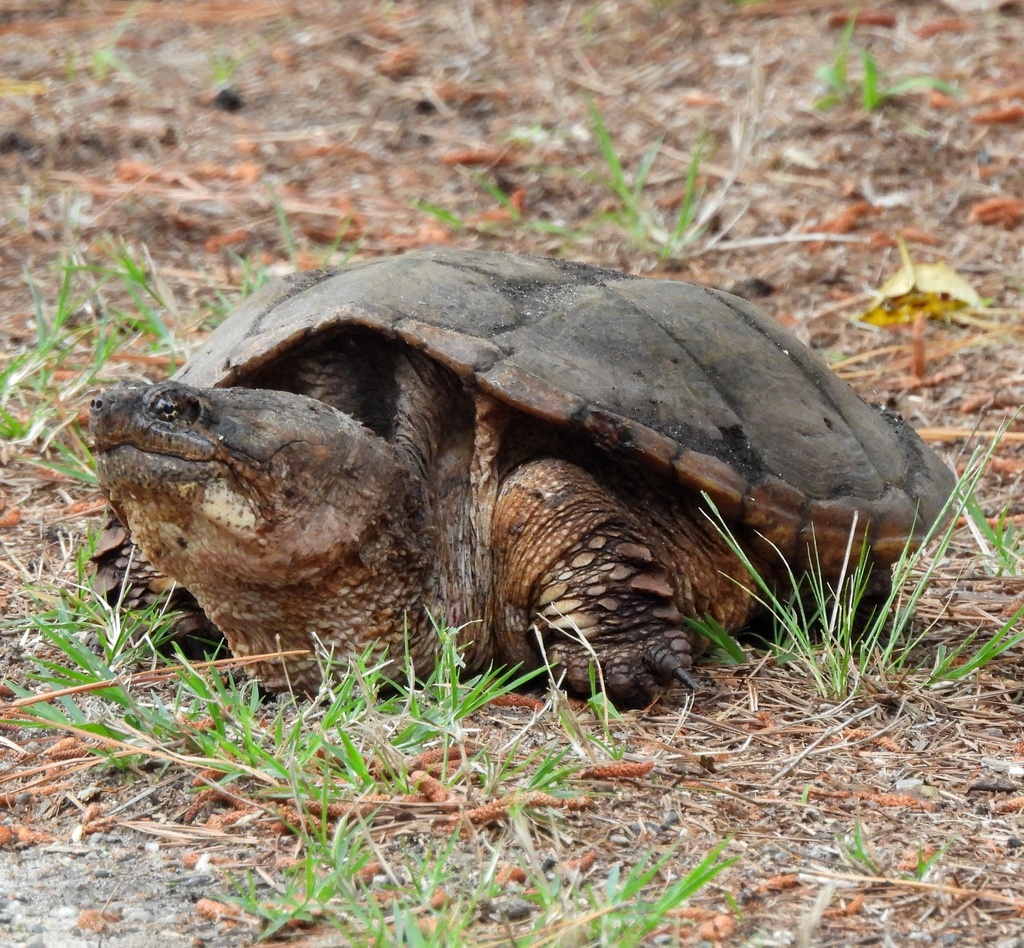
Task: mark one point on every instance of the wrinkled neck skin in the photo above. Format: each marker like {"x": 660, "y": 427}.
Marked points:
{"x": 285, "y": 518}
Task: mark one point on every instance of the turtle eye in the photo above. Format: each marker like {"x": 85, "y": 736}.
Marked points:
{"x": 180, "y": 407}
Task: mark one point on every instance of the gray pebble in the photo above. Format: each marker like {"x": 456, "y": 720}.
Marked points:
{"x": 515, "y": 910}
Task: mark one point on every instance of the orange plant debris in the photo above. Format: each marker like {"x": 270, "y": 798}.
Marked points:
{"x": 853, "y": 907}
{"x": 718, "y": 928}
{"x": 1009, "y": 466}
{"x": 838, "y": 20}
{"x": 30, "y": 837}
{"x": 367, "y": 873}
{"x": 674, "y": 200}
{"x": 582, "y": 863}
{"x": 991, "y": 170}
{"x": 198, "y": 804}
{"x": 218, "y": 242}
{"x": 941, "y": 100}
{"x": 509, "y": 874}
{"x": 128, "y": 170}
{"x": 248, "y": 172}
{"x": 65, "y": 749}
{"x": 303, "y": 151}
{"x": 498, "y": 809}
{"x": 382, "y": 30}
{"x": 482, "y": 815}
{"x": 517, "y": 701}
{"x": 307, "y": 261}
{"x": 328, "y": 230}
{"x": 196, "y": 724}
{"x": 1013, "y": 805}
{"x": 93, "y": 814}
{"x": 623, "y": 769}
{"x": 283, "y": 56}
{"x": 1005, "y": 211}
{"x": 880, "y": 240}
{"x": 206, "y": 775}
{"x": 96, "y": 921}
{"x": 364, "y": 807}
{"x": 426, "y": 760}
{"x": 222, "y": 820}
{"x": 191, "y": 860}
{"x": 918, "y": 236}
{"x": 426, "y": 234}
{"x": 453, "y": 92}
{"x": 789, "y": 880}
{"x": 497, "y": 215}
{"x": 948, "y": 24}
{"x": 1005, "y": 116}
{"x": 845, "y": 221}
{"x": 888, "y": 743}
{"x": 998, "y": 95}
{"x": 700, "y": 100}
{"x": 692, "y": 912}
{"x": 492, "y": 157}
{"x": 83, "y": 508}
{"x": 829, "y": 793}
{"x": 399, "y": 63}
{"x": 213, "y": 910}
{"x": 896, "y": 800}
{"x": 913, "y": 857}
{"x": 431, "y": 788}
{"x": 988, "y": 401}
{"x": 10, "y": 518}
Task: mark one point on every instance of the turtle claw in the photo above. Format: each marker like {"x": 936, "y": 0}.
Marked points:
{"x": 671, "y": 657}
{"x": 685, "y": 678}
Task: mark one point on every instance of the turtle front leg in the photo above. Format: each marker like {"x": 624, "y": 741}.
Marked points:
{"x": 584, "y": 573}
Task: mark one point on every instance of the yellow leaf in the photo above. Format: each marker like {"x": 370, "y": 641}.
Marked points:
{"x": 934, "y": 289}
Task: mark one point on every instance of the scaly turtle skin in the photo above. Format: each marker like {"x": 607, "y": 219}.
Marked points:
{"x": 516, "y": 445}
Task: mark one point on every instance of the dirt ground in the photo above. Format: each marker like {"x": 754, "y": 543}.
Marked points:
{"x": 186, "y": 131}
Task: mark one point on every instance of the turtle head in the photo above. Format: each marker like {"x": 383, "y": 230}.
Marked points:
{"x": 257, "y": 486}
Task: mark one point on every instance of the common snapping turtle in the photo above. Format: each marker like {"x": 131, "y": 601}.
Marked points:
{"x": 515, "y": 445}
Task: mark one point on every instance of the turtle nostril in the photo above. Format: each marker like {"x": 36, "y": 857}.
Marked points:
{"x": 96, "y": 404}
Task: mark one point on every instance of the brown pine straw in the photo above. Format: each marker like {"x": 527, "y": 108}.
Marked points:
{"x": 986, "y": 895}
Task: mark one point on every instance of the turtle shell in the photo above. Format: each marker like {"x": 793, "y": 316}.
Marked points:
{"x": 689, "y": 380}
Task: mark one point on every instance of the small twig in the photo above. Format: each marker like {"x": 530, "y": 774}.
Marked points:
{"x": 824, "y": 736}
{"x": 958, "y": 434}
{"x": 774, "y": 240}
{"x": 154, "y": 676}
{"x": 939, "y": 887}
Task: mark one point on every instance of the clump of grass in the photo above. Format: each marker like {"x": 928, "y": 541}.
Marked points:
{"x": 639, "y": 217}
{"x": 1000, "y": 541}
{"x": 875, "y": 90}
{"x": 822, "y": 624}
{"x": 324, "y": 768}
{"x": 74, "y": 339}
{"x": 105, "y": 59}
{"x": 857, "y": 850}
